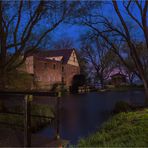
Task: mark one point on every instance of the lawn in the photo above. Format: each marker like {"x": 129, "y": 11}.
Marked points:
{"x": 122, "y": 130}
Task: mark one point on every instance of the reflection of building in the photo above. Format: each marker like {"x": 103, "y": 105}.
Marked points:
{"x": 52, "y": 67}
{"x": 118, "y": 79}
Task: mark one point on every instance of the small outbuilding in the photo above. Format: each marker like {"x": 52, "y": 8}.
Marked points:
{"x": 118, "y": 79}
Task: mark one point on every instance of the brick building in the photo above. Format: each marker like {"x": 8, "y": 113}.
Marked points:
{"x": 52, "y": 67}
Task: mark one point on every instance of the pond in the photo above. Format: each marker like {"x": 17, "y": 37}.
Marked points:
{"x": 81, "y": 115}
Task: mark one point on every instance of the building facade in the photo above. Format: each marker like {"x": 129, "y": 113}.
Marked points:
{"x": 52, "y": 67}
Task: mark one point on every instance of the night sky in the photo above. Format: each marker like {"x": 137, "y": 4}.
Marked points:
{"x": 75, "y": 31}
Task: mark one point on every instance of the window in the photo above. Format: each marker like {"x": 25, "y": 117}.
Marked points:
{"x": 62, "y": 79}
{"x": 62, "y": 68}
{"x": 54, "y": 66}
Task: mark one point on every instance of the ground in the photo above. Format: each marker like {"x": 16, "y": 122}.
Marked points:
{"x": 123, "y": 130}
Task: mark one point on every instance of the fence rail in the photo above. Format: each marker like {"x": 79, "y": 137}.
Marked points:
{"x": 27, "y": 97}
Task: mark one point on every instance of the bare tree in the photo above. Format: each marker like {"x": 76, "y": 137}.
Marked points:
{"x": 24, "y": 25}
{"x": 64, "y": 43}
{"x": 115, "y": 35}
{"x": 98, "y": 57}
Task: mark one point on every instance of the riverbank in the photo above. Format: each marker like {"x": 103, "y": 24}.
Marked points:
{"x": 122, "y": 130}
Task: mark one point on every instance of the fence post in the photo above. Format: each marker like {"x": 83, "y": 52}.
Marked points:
{"x": 27, "y": 120}
{"x": 58, "y": 116}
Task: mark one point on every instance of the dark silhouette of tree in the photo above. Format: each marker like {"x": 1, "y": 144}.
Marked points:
{"x": 78, "y": 80}
{"x": 98, "y": 57}
{"x": 64, "y": 43}
{"x": 117, "y": 33}
{"x": 25, "y": 24}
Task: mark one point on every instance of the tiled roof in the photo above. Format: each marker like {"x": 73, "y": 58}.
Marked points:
{"x": 65, "y": 53}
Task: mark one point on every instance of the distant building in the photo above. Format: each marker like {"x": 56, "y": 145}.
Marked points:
{"x": 118, "y": 79}
{"x": 52, "y": 67}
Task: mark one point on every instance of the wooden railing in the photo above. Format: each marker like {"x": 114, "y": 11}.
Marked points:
{"x": 28, "y": 97}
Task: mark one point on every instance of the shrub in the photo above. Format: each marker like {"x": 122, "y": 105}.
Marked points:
{"x": 78, "y": 80}
{"x": 122, "y": 106}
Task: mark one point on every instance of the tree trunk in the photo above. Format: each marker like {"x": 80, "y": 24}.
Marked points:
{"x": 146, "y": 91}
{"x": 102, "y": 83}
{"x": 2, "y": 80}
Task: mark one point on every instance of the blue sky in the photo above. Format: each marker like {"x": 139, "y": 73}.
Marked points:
{"x": 75, "y": 31}
{"x": 72, "y": 31}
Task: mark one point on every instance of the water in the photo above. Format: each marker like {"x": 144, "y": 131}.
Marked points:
{"x": 81, "y": 115}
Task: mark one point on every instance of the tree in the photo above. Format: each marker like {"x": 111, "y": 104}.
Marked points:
{"x": 78, "y": 80}
{"x": 97, "y": 56}
{"x": 63, "y": 43}
{"x": 117, "y": 33}
{"x": 25, "y": 24}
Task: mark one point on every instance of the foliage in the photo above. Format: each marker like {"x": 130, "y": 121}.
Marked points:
{"x": 123, "y": 130}
{"x": 78, "y": 80}
{"x": 17, "y": 120}
{"x": 122, "y": 106}
{"x": 19, "y": 81}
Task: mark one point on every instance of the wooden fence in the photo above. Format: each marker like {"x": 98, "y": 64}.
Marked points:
{"x": 28, "y": 96}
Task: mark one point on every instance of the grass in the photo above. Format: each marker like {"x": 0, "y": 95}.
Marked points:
{"x": 122, "y": 130}
{"x": 36, "y": 122}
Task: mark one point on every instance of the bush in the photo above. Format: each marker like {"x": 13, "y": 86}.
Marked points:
{"x": 122, "y": 106}
{"x": 19, "y": 81}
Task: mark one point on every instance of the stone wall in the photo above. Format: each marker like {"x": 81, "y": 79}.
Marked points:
{"x": 50, "y": 72}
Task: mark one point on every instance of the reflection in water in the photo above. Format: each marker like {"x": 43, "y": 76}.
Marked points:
{"x": 81, "y": 115}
